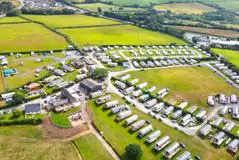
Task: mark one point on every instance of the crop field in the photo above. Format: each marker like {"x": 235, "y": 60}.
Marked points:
{"x": 119, "y": 136}
{"x": 230, "y": 55}
{"x": 193, "y": 84}
{"x": 188, "y": 8}
{"x": 11, "y": 20}
{"x": 28, "y": 37}
{"x": 56, "y": 21}
{"x": 91, "y": 148}
{"x": 216, "y": 32}
{"x": 119, "y": 35}
{"x": 105, "y": 7}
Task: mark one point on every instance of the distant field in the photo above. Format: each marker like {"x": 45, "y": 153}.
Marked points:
{"x": 91, "y": 148}
{"x": 216, "y": 32}
{"x": 119, "y": 135}
{"x": 71, "y": 20}
{"x": 231, "y": 55}
{"x": 105, "y": 7}
{"x": 193, "y": 84}
{"x": 188, "y": 8}
{"x": 231, "y": 5}
{"x": 11, "y": 20}
{"x": 28, "y": 37}
{"x": 118, "y": 35}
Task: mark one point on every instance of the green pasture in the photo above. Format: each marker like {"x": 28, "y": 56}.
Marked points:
{"x": 231, "y": 5}
{"x": 192, "y": 84}
{"x": 76, "y": 20}
{"x": 93, "y": 7}
{"x": 91, "y": 148}
{"x": 11, "y": 20}
{"x": 231, "y": 55}
{"x": 28, "y": 37}
{"x": 119, "y": 35}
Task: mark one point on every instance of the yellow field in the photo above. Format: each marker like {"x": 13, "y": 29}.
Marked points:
{"x": 11, "y": 20}
{"x": 188, "y": 8}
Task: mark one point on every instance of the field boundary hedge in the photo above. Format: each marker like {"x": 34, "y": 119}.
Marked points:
{"x": 92, "y": 26}
{"x": 13, "y": 23}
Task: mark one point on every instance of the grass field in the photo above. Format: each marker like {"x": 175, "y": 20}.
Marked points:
{"x": 26, "y": 142}
{"x": 11, "y": 20}
{"x": 231, "y": 55}
{"x": 119, "y": 136}
{"x": 231, "y": 5}
{"x": 188, "y": 8}
{"x": 193, "y": 84}
{"x": 28, "y": 37}
{"x": 118, "y": 35}
{"x": 91, "y": 148}
{"x": 71, "y": 20}
{"x": 216, "y": 32}
{"x": 105, "y": 7}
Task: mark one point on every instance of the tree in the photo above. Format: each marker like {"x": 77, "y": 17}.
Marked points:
{"x": 6, "y": 7}
{"x": 133, "y": 152}
{"x": 19, "y": 96}
{"x": 100, "y": 72}
{"x": 99, "y": 9}
{"x": 13, "y": 13}
{"x": 17, "y": 113}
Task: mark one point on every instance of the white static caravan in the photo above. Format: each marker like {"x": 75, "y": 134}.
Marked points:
{"x": 111, "y": 104}
{"x": 104, "y": 99}
{"x": 142, "y": 85}
{"x": 134, "y": 81}
{"x": 158, "y": 107}
{"x": 210, "y": 100}
{"x": 201, "y": 114}
{"x": 96, "y": 94}
{"x": 128, "y": 90}
{"x": 131, "y": 120}
{"x": 185, "y": 120}
{"x": 120, "y": 108}
{"x": 177, "y": 114}
{"x": 185, "y": 156}
{"x": 168, "y": 110}
{"x": 135, "y": 126}
{"x": 229, "y": 127}
{"x": 233, "y": 98}
{"x": 172, "y": 150}
{"x": 222, "y": 99}
{"x": 235, "y": 112}
{"x": 145, "y": 131}
{"x": 153, "y": 136}
{"x": 163, "y": 92}
{"x": 137, "y": 93}
{"x": 217, "y": 121}
{"x": 233, "y": 146}
{"x": 205, "y": 130}
{"x": 150, "y": 103}
{"x": 223, "y": 111}
{"x": 124, "y": 114}
{"x": 192, "y": 109}
{"x": 219, "y": 138}
{"x": 183, "y": 105}
{"x": 161, "y": 143}
{"x": 151, "y": 89}
{"x": 120, "y": 84}
{"x": 124, "y": 78}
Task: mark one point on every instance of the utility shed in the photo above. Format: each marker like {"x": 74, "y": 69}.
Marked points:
{"x": 90, "y": 85}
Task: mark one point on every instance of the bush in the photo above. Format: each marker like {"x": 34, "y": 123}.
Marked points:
{"x": 13, "y": 13}
{"x": 133, "y": 152}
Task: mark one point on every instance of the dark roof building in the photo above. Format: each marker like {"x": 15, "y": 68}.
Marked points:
{"x": 90, "y": 85}
{"x": 34, "y": 108}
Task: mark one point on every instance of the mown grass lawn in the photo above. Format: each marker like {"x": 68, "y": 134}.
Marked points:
{"x": 11, "y": 20}
{"x": 188, "y": 8}
{"x": 119, "y": 137}
{"x": 61, "y": 119}
{"x": 28, "y": 37}
{"x": 119, "y": 35}
{"x": 106, "y": 7}
{"x": 230, "y": 55}
{"x": 70, "y": 20}
{"x": 91, "y": 148}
